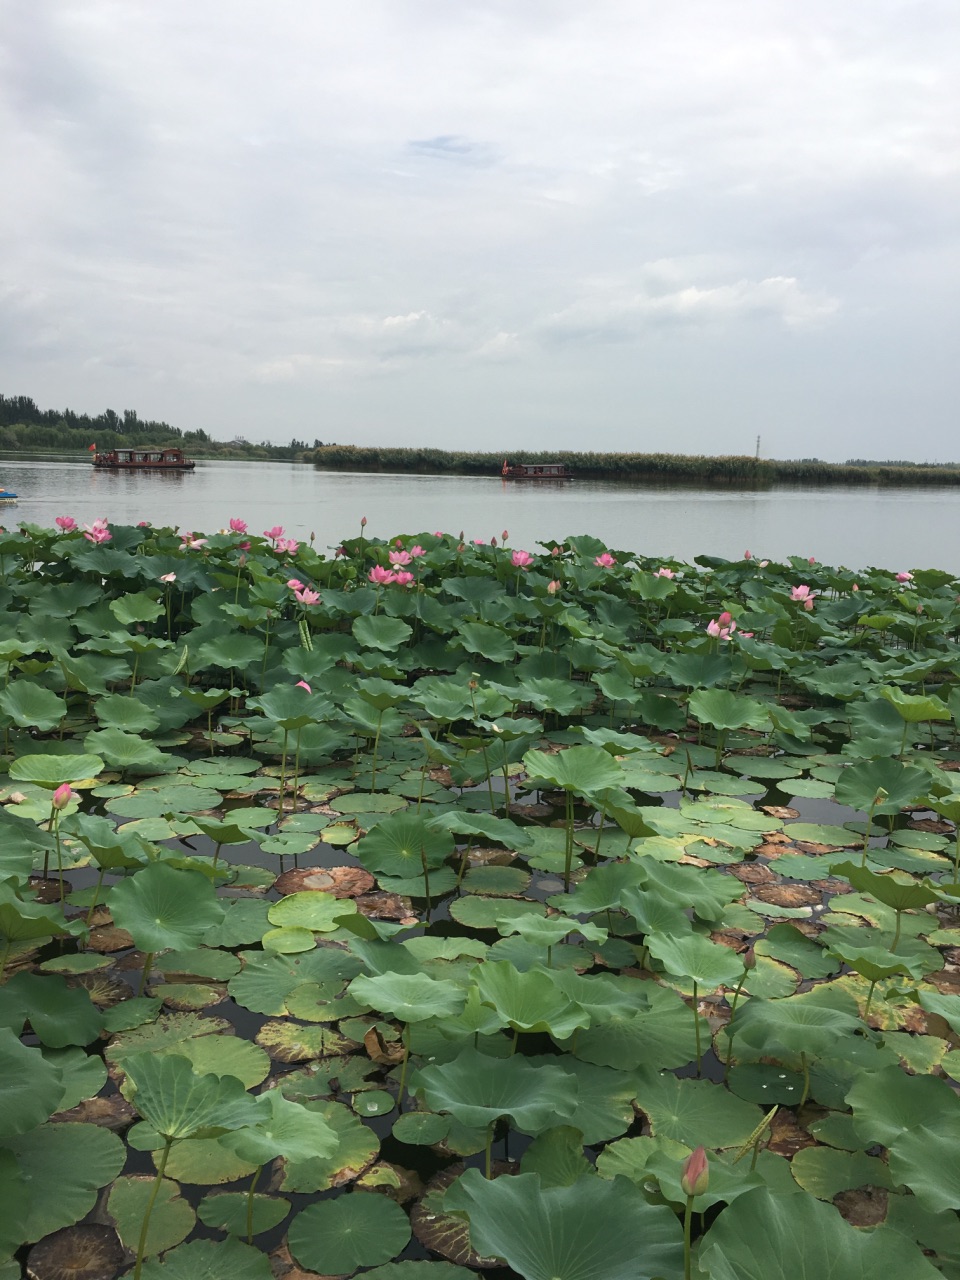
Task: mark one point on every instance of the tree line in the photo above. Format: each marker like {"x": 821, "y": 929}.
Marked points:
{"x": 26, "y": 428}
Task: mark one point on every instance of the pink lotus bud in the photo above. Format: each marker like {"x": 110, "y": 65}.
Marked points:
{"x": 749, "y": 958}
{"x": 748, "y": 555}
{"x": 811, "y": 560}
{"x": 725, "y": 618}
{"x": 363, "y": 522}
{"x": 695, "y": 1177}
{"x": 854, "y": 587}
{"x": 505, "y": 535}
{"x": 493, "y": 541}
{"x": 903, "y": 576}
{"x": 62, "y": 796}
{"x": 294, "y": 584}
{"x": 553, "y": 587}
{"x": 302, "y": 684}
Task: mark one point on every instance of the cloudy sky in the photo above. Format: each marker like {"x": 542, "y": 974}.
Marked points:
{"x": 629, "y": 225}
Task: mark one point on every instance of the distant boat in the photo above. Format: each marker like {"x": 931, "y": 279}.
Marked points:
{"x": 143, "y": 460}
{"x": 8, "y": 498}
{"x": 538, "y": 471}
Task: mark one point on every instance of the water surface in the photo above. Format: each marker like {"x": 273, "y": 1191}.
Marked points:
{"x": 901, "y": 528}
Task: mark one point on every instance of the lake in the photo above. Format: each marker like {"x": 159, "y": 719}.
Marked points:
{"x": 898, "y": 528}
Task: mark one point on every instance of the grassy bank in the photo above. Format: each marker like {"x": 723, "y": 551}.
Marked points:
{"x": 641, "y": 467}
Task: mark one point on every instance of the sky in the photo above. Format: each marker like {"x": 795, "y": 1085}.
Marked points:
{"x": 490, "y": 224}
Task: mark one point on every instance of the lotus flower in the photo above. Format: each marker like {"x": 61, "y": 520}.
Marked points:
{"x": 237, "y": 525}
{"x": 522, "y": 559}
{"x": 664, "y": 572}
{"x": 302, "y": 684}
{"x": 66, "y": 523}
{"x": 168, "y": 577}
{"x": 903, "y": 576}
{"x": 695, "y": 1176}
{"x": 721, "y": 628}
{"x": 416, "y": 551}
{"x": 274, "y": 533}
{"x": 400, "y": 557}
{"x": 553, "y": 587}
{"x": 403, "y": 578}
{"x": 294, "y": 584}
{"x": 606, "y": 561}
{"x": 62, "y": 796}
{"x": 380, "y": 576}
{"x": 803, "y": 594}
{"x": 306, "y": 596}
{"x": 99, "y": 531}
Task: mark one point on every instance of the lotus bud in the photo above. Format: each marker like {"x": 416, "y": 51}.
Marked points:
{"x": 62, "y": 796}
{"x": 363, "y": 522}
{"x": 749, "y": 958}
{"x": 695, "y": 1176}
{"x": 505, "y": 535}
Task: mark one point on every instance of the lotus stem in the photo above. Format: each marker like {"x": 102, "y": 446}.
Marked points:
{"x": 730, "y": 1034}
{"x": 96, "y": 895}
{"x": 806, "y": 1080}
{"x": 283, "y": 772}
{"x": 6, "y": 956}
{"x": 296, "y": 770}
{"x": 253, "y": 1184}
{"x": 866, "y": 1008}
{"x": 147, "y": 962}
{"x": 568, "y": 850}
{"x": 487, "y": 1164}
{"x": 426, "y": 880}
{"x": 403, "y": 1070}
{"x": 376, "y": 748}
{"x": 896, "y": 936}
{"x": 142, "y": 1242}
{"x": 687, "y": 1218}
{"x": 696, "y": 1028}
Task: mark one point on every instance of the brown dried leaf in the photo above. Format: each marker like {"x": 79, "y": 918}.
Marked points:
{"x": 378, "y": 1050}
{"x": 342, "y": 882}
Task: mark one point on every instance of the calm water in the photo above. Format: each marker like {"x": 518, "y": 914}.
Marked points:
{"x": 906, "y": 528}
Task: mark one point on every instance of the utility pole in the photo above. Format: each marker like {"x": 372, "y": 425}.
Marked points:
{"x": 758, "y": 448}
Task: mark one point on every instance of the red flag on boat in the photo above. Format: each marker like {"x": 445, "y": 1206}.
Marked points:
{"x": 92, "y": 448}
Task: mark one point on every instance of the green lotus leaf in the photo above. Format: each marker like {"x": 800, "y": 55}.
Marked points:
{"x": 725, "y": 710}
{"x": 583, "y": 770}
{"x": 83, "y": 1075}
{"x": 417, "y": 1270}
{"x": 860, "y": 786}
{"x": 592, "y": 1230}
{"x": 915, "y": 708}
{"x": 421, "y": 1128}
{"x": 825, "y": 1172}
{"x": 291, "y": 707}
{"x": 31, "y": 1088}
{"x": 557, "y": 1157}
{"x": 227, "y": 1211}
{"x": 697, "y": 958}
{"x": 265, "y": 981}
{"x": 764, "y": 1236}
{"x": 411, "y": 997}
{"x": 118, "y": 711}
{"x": 15, "y": 1197}
{"x": 477, "y": 1090}
{"x": 398, "y": 845}
{"x": 209, "y": 1260}
{"x": 165, "y": 908}
{"x": 358, "y": 1147}
{"x": 64, "y": 1165}
{"x": 383, "y": 633}
{"x": 171, "y": 1218}
{"x": 694, "y": 1111}
{"x": 917, "y": 1118}
{"x": 501, "y": 830}
{"x": 320, "y": 912}
{"x": 51, "y": 771}
{"x": 654, "y": 1028}
{"x": 124, "y": 750}
{"x": 31, "y": 706}
{"x": 228, "y": 651}
{"x": 793, "y": 1025}
{"x": 178, "y": 1103}
{"x": 136, "y": 607}
{"x": 529, "y": 1001}
{"x": 59, "y": 1014}
{"x": 358, "y": 1230}
{"x": 282, "y": 1128}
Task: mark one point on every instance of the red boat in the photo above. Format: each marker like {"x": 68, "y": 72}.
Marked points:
{"x": 538, "y": 471}
{"x": 143, "y": 460}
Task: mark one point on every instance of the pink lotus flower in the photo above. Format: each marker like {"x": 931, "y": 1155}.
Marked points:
{"x": 306, "y": 596}
{"x": 903, "y": 576}
{"x": 416, "y": 551}
{"x": 695, "y": 1175}
{"x": 289, "y": 545}
{"x": 294, "y": 584}
{"x": 811, "y": 560}
{"x": 143, "y": 524}
{"x": 168, "y": 577}
{"x": 522, "y": 559}
{"x": 663, "y": 572}
{"x": 340, "y": 551}
{"x": 479, "y": 542}
{"x": 400, "y": 557}
{"x": 66, "y": 523}
{"x": 803, "y": 595}
{"x": 302, "y": 684}
{"x": 274, "y": 533}
{"x": 606, "y": 561}
{"x": 380, "y": 576}
{"x": 237, "y": 525}
{"x": 854, "y": 587}
{"x": 189, "y": 542}
{"x": 98, "y": 532}
{"x": 62, "y": 796}
{"x": 764, "y": 563}
{"x": 403, "y": 578}
{"x": 437, "y": 533}
{"x": 554, "y": 586}
{"x": 720, "y": 629}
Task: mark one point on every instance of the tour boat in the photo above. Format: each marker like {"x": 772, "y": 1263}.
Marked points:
{"x": 7, "y": 498}
{"x": 143, "y": 460}
{"x": 535, "y": 471}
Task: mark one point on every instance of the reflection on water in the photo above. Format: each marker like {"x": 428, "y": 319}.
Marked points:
{"x": 906, "y": 528}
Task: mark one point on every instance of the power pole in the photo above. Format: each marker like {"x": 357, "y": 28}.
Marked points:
{"x": 758, "y": 448}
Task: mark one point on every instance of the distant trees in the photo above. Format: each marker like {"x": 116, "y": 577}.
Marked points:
{"x": 26, "y": 427}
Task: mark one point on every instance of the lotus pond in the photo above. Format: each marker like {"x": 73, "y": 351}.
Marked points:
{"x": 428, "y": 909}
